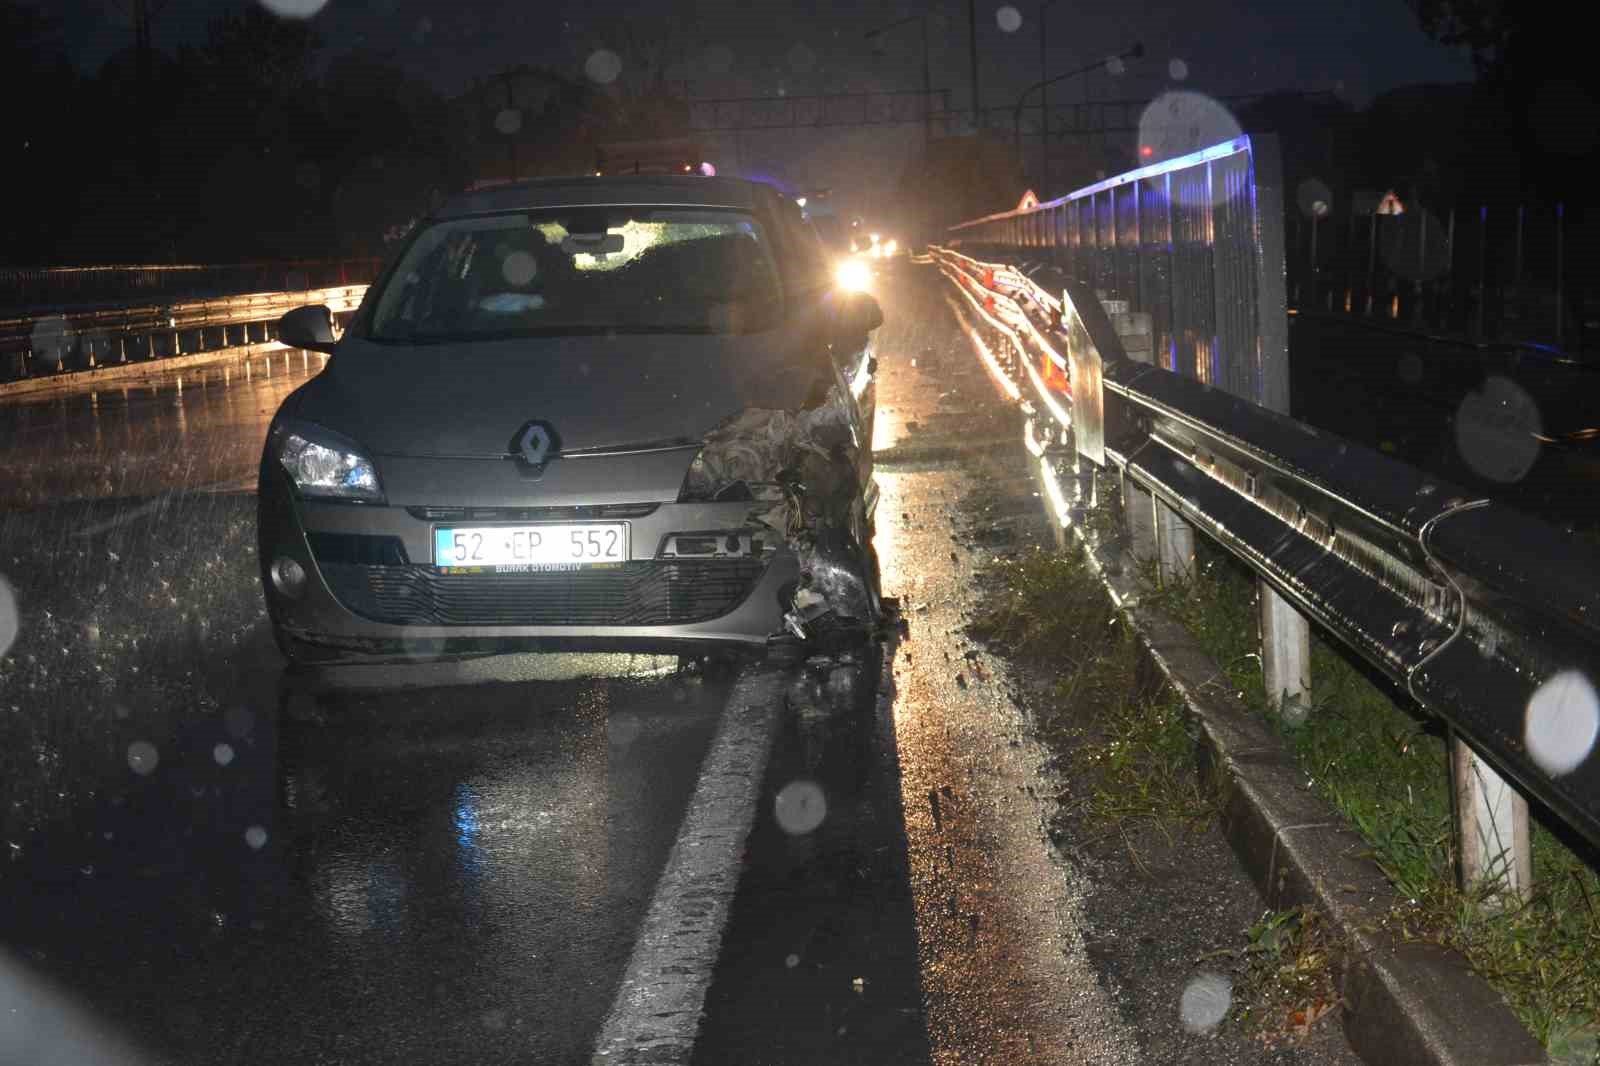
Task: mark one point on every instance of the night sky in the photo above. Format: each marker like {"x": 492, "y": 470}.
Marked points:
{"x": 737, "y": 47}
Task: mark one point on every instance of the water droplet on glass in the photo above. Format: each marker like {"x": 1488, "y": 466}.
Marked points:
{"x": 143, "y": 757}
{"x": 256, "y": 837}
{"x": 1495, "y": 428}
{"x": 1177, "y": 69}
{"x": 508, "y": 120}
{"x": 9, "y": 621}
{"x": 801, "y": 58}
{"x": 603, "y": 66}
{"x": 1410, "y": 368}
{"x": 800, "y": 807}
{"x": 294, "y": 9}
{"x": 1205, "y": 1002}
{"x": 791, "y": 961}
{"x": 223, "y": 753}
{"x": 1562, "y": 722}
{"x": 1009, "y": 19}
{"x": 718, "y": 58}
{"x": 518, "y": 268}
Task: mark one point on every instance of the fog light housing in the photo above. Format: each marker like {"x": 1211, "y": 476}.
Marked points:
{"x": 288, "y": 577}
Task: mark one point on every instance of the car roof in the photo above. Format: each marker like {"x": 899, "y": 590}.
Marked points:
{"x": 653, "y": 189}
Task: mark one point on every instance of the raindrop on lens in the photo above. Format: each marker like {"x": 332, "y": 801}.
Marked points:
{"x": 1205, "y": 1002}
{"x": 256, "y": 837}
{"x": 9, "y": 623}
{"x": 508, "y": 121}
{"x": 1562, "y": 722}
{"x": 1115, "y": 65}
{"x": 1009, "y": 19}
{"x": 518, "y": 268}
{"x": 294, "y": 9}
{"x": 1410, "y": 368}
{"x": 800, "y": 807}
{"x": 1495, "y": 429}
{"x": 1177, "y": 69}
{"x": 223, "y": 753}
{"x": 603, "y": 66}
{"x": 143, "y": 758}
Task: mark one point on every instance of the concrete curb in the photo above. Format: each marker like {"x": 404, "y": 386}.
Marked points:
{"x": 1404, "y": 1004}
{"x": 123, "y": 372}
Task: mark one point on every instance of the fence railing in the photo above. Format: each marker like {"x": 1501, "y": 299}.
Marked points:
{"x": 57, "y": 289}
{"x": 1491, "y": 273}
{"x": 33, "y": 346}
{"x": 1487, "y": 618}
{"x": 1187, "y": 242}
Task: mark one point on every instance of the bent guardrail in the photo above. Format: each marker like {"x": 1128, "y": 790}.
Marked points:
{"x": 56, "y": 344}
{"x": 1489, "y": 619}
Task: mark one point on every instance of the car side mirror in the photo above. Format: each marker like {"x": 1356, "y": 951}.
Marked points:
{"x": 860, "y": 313}
{"x": 309, "y": 328}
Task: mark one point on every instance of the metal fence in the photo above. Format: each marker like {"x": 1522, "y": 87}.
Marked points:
{"x": 1519, "y": 274}
{"x": 1193, "y": 243}
{"x": 1475, "y": 610}
{"x": 41, "y": 289}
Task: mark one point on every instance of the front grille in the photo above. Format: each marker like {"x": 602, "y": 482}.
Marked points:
{"x": 533, "y": 514}
{"x": 640, "y": 593}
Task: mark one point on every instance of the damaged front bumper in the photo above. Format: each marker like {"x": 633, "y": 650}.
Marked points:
{"x": 800, "y": 471}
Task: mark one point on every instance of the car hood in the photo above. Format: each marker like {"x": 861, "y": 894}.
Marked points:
{"x": 597, "y": 391}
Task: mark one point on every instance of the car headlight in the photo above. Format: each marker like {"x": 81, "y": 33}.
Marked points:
{"x": 852, "y": 275}
{"x": 892, "y": 247}
{"x": 323, "y": 464}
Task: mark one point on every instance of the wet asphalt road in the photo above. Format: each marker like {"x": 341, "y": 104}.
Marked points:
{"x": 207, "y": 860}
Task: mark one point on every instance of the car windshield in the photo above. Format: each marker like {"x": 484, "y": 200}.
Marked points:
{"x": 588, "y": 270}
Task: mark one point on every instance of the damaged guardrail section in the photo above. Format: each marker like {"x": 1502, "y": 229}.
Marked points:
{"x": 1488, "y": 618}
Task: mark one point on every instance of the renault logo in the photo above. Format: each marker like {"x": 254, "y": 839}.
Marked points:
{"x": 536, "y": 443}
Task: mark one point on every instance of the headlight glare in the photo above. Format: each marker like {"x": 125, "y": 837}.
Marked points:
{"x": 325, "y": 466}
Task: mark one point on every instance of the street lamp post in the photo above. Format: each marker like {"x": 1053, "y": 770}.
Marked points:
{"x": 927, "y": 74}
{"x": 1044, "y": 92}
{"x": 1136, "y": 52}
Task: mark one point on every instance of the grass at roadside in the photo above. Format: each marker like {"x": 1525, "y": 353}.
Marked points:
{"x": 1120, "y": 730}
{"x": 1382, "y": 766}
{"x": 1387, "y": 770}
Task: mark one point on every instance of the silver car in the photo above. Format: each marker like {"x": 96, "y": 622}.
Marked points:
{"x": 597, "y": 413}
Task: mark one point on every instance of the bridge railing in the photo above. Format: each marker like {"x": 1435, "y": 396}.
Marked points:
{"x": 63, "y": 343}
{"x": 53, "y": 289}
{"x": 1142, "y": 323}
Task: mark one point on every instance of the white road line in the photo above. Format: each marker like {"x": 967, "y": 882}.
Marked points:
{"x": 656, "y": 1015}
{"x": 155, "y": 503}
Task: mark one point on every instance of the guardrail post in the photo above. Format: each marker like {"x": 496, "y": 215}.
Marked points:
{"x": 1139, "y": 512}
{"x": 1491, "y": 827}
{"x": 1285, "y": 654}
{"x": 1174, "y": 545}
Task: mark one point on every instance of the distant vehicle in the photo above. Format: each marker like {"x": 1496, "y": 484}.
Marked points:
{"x": 599, "y": 413}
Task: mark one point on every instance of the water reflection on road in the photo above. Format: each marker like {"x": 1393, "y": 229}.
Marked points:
{"x": 200, "y": 427}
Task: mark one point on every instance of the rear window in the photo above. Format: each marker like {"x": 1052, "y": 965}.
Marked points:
{"x": 581, "y": 270}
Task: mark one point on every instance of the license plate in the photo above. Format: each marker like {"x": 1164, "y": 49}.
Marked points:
{"x": 522, "y": 549}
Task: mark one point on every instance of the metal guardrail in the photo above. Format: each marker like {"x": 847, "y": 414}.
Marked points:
{"x": 1195, "y": 242}
{"x": 25, "y": 290}
{"x": 52, "y": 344}
{"x": 1469, "y": 606}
